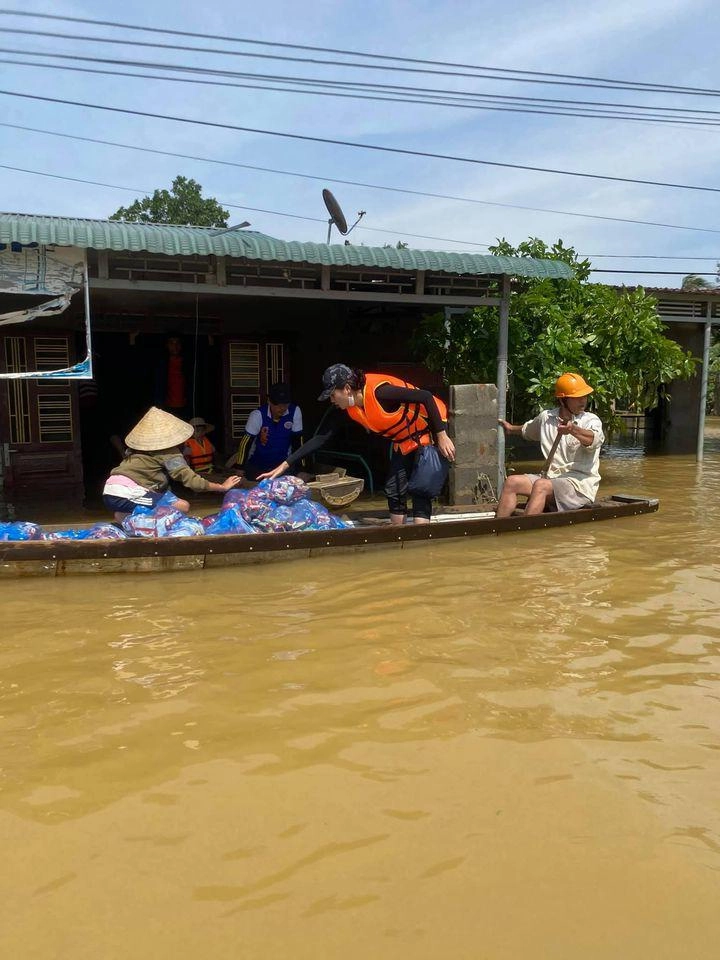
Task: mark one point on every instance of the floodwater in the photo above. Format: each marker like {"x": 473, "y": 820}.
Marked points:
{"x": 501, "y": 749}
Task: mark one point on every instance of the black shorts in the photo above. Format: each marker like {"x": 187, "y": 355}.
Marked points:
{"x": 150, "y": 499}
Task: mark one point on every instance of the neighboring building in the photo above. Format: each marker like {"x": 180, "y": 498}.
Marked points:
{"x": 676, "y": 425}
{"x": 248, "y": 310}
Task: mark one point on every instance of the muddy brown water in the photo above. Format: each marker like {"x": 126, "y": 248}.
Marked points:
{"x": 498, "y": 749}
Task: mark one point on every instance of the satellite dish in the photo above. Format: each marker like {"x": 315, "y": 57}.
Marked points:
{"x": 335, "y": 210}
{"x": 337, "y": 217}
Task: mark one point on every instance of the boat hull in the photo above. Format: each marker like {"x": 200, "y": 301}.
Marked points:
{"x": 60, "y": 558}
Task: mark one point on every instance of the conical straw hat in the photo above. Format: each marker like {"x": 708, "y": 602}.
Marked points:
{"x": 158, "y": 430}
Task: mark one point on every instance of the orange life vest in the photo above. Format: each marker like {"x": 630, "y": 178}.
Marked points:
{"x": 199, "y": 454}
{"x": 408, "y": 427}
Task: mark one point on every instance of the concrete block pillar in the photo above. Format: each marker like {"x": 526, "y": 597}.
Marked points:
{"x": 473, "y": 427}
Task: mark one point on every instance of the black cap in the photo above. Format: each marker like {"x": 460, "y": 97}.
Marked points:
{"x": 279, "y": 393}
{"x": 334, "y": 377}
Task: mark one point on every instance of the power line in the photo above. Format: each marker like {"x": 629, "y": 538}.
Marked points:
{"x": 402, "y": 233}
{"x": 663, "y": 273}
{"x": 494, "y": 72}
{"x": 237, "y": 206}
{"x": 642, "y": 256}
{"x": 356, "y": 145}
{"x": 491, "y": 102}
{"x": 447, "y": 94}
{"x": 354, "y": 183}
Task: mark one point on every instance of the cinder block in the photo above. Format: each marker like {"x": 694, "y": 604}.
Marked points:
{"x": 473, "y": 426}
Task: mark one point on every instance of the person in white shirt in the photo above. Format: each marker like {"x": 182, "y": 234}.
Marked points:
{"x": 572, "y": 477}
{"x": 271, "y": 432}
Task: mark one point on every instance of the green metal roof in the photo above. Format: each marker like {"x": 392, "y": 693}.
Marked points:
{"x": 248, "y": 244}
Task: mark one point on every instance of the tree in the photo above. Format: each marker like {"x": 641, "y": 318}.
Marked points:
{"x": 693, "y": 282}
{"x": 614, "y": 338}
{"x": 713, "y": 405}
{"x": 182, "y": 204}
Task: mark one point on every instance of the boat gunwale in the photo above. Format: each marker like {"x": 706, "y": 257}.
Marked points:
{"x": 362, "y": 536}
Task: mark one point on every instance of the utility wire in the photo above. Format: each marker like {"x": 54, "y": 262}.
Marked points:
{"x": 361, "y": 146}
{"x": 444, "y": 93}
{"x": 296, "y": 216}
{"x": 423, "y": 101}
{"x": 495, "y": 72}
{"x": 353, "y": 183}
{"x": 478, "y": 103}
{"x": 663, "y": 273}
{"x": 139, "y": 191}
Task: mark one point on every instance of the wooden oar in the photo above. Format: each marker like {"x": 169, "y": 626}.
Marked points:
{"x": 551, "y": 456}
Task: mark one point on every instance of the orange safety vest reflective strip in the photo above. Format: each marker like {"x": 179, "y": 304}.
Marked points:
{"x": 408, "y": 427}
{"x": 199, "y": 454}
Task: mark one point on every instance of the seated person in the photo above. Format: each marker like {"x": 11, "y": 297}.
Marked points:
{"x": 199, "y": 451}
{"x": 271, "y": 433}
{"x": 154, "y": 457}
{"x": 571, "y": 477}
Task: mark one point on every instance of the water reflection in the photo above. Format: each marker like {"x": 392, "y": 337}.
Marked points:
{"x": 582, "y": 664}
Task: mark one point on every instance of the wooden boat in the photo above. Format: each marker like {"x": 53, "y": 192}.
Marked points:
{"x": 59, "y": 558}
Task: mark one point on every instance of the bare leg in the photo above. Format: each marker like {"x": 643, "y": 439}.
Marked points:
{"x": 182, "y": 505}
{"x": 541, "y": 495}
{"x": 418, "y": 520}
{"x": 397, "y": 519}
{"x": 517, "y": 484}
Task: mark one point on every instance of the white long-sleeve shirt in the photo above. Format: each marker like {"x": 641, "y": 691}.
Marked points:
{"x": 579, "y": 464}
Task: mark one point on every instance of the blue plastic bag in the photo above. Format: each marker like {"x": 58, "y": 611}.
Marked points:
{"x": 99, "y": 531}
{"x": 106, "y": 531}
{"x": 429, "y": 472}
{"x": 308, "y": 515}
{"x": 229, "y": 520}
{"x": 186, "y": 527}
{"x": 20, "y": 530}
{"x": 233, "y": 497}
{"x": 151, "y": 523}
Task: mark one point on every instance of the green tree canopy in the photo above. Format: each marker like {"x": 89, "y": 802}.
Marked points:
{"x": 693, "y": 282}
{"x": 613, "y": 338}
{"x": 182, "y": 204}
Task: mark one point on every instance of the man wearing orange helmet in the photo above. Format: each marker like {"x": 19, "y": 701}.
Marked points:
{"x": 570, "y": 477}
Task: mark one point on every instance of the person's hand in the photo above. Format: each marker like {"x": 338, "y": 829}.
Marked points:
{"x": 505, "y": 425}
{"x": 565, "y": 427}
{"x": 446, "y": 446}
{"x": 230, "y": 482}
{"x": 273, "y": 474}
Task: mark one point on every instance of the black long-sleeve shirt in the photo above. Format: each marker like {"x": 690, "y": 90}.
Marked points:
{"x": 390, "y": 397}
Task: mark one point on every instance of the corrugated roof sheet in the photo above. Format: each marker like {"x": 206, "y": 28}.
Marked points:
{"x": 248, "y": 244}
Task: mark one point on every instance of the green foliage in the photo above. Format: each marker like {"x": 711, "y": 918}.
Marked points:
{"x": 613, "y": 338}
{"x": 182, "y": 204}
{"x": 693, "y": 282}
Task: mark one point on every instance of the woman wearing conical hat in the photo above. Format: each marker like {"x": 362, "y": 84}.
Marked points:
{"x": 153, "y": 459}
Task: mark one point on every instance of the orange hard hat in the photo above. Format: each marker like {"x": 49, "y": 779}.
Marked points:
{"x": 572, "y": 385}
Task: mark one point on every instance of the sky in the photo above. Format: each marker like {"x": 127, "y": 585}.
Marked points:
{"x": 656, "y": 41}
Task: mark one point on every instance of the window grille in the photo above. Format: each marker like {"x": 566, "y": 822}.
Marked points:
{"x": 18, "y": 397}
{"x": 55, "y": 418}
{"x": 245, "y": 367}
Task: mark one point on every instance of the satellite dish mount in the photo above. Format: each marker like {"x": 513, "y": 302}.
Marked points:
{"x": 337, "y": 217}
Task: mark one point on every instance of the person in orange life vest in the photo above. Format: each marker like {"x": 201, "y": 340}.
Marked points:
{"x": 199, "y": 451}
{"x": 271, "y": 433}
{"x": 384, "y": 404}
